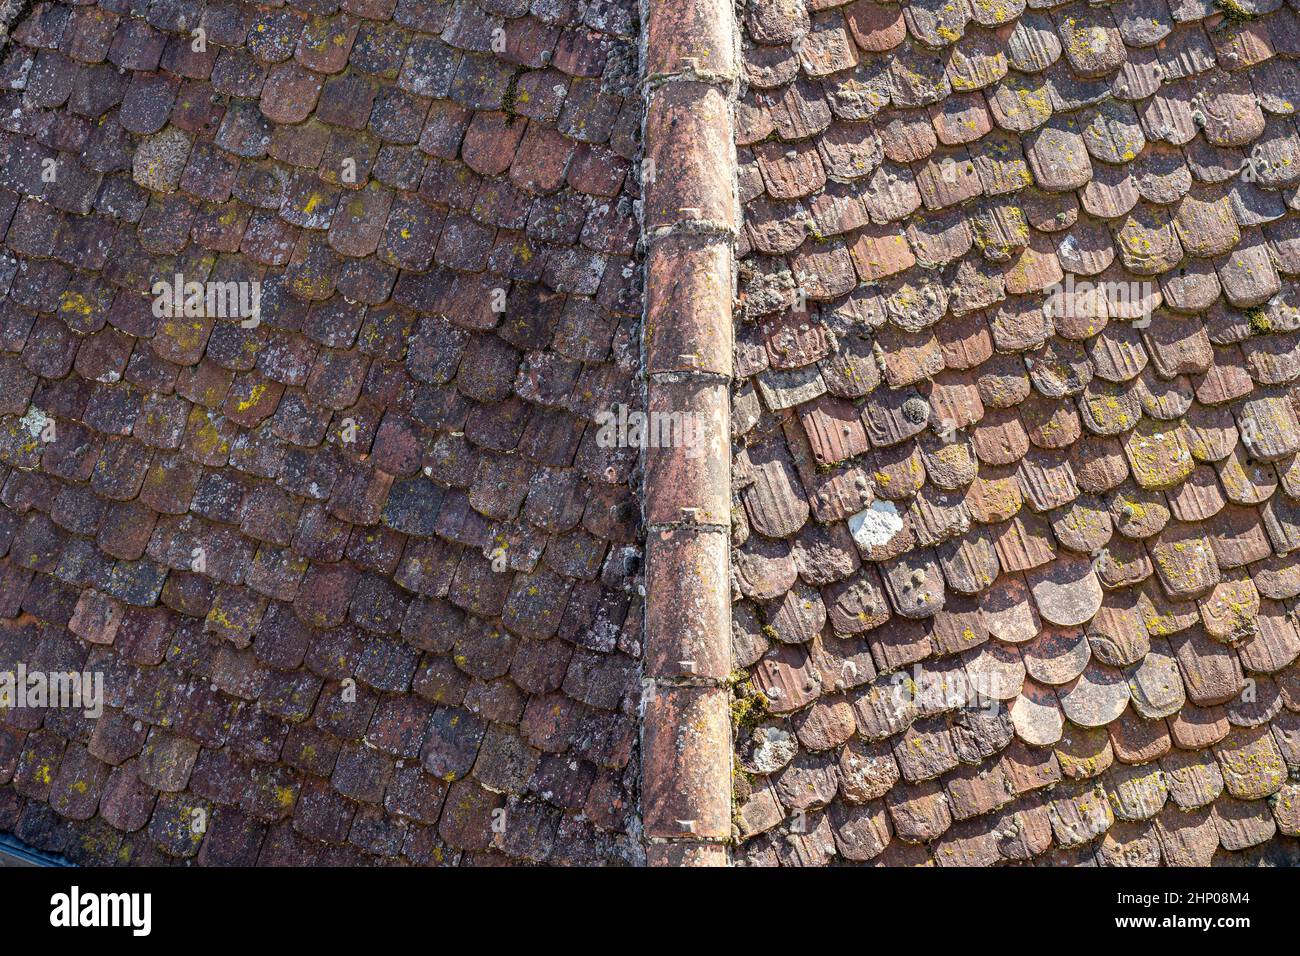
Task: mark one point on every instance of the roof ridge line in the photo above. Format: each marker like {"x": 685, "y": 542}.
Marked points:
{"x": 689, "y": 68}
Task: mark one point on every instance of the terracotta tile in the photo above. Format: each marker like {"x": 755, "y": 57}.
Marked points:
{"x": 876, "y": 28}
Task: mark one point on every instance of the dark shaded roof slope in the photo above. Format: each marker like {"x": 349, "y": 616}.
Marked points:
{"x": 1087, "y": 511}
{"x": 358, "y": 576}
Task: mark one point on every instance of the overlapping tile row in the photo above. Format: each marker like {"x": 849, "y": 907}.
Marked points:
{"x": 1016, "y": 426}
{"x": 360, "y": 576}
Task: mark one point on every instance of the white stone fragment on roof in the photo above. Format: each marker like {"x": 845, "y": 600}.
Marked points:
{"x": 873, "y": 527}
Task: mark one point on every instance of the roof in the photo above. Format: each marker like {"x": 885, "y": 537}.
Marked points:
{"x": 984, "y": 551}
{"x": 359, "y": 576}
{"x": 1017, "y": 494}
